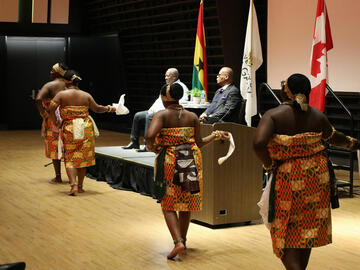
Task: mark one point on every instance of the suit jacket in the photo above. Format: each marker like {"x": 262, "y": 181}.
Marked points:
{"x": 228, "y": 107}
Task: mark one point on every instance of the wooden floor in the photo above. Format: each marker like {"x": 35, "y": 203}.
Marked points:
{"x": 112, "y": 229}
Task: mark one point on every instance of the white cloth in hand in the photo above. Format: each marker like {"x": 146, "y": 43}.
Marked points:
{"x": 230, "y": 151}
{"x": 96, "y": 130}
{"x": 120, "y": 107}
{"x": 264, "y": 203}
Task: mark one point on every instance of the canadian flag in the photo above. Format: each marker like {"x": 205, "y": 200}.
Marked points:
{"x": 322, "y": 43}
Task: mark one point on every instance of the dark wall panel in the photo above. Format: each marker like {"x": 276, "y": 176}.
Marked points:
{"x": 99, "y": 61}
{"x": 28, "y": 63}
{"x": 3, "y": 92}
{"x": 26, "y": 67}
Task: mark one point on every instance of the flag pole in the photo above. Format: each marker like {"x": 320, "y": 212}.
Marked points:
{"x": 251, "y": 31}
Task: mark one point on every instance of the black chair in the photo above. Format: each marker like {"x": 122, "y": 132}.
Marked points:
{"x": 242, "y": 112}
{"x": 13, "y": 266}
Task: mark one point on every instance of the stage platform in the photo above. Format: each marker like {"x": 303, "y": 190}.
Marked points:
{"x": 124, "y": 169}
{"x": 230, "y": 190}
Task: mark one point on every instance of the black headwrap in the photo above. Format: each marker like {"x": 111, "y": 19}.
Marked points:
{"x": 72, "y": 76}
{"x": 298, "y": 89}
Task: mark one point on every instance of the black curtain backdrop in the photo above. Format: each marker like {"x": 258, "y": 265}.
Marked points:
{"x": 233, "y": 16}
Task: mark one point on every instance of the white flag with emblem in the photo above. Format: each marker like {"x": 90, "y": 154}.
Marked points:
{"x": 252, "y": 60}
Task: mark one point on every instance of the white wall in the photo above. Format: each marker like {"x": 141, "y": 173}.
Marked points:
{"x": 290, "y": 31}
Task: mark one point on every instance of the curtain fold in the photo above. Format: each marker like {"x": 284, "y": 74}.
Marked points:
{"x": 120, "y": 174}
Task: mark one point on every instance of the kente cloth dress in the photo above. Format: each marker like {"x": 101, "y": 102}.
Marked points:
{"x": 302, "y": 216}
{"x": 77, "y": 152}
{"x": 51, "y": 134}
{"x": 174, "y": 199}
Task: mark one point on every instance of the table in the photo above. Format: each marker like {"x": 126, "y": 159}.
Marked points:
{"x": 198, "y": 109}
{"x": 191, "y": 105}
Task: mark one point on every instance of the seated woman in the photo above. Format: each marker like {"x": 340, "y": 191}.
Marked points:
{"x": 174, "y": 134}
{"x": 77, "y": 132}
{"x": 289, "y": 142}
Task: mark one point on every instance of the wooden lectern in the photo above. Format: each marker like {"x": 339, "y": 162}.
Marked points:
{"x": 231, "y": 190}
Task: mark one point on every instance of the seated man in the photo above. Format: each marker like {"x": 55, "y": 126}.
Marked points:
{"x": 171, "y": 76}
{"x": 226, "y": 103}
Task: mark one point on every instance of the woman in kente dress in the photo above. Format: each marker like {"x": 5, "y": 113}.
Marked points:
{"x": 50, "y": 133}
{"x": 289, "y": 141}
{"x": 77, "y": 132}
{"x": 174, "y": 134}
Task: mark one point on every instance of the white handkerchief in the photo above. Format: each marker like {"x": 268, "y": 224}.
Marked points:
{"x": 264, "y": 203}
{"x": 78, "y": 128}
{"x": 120, "y": 107}
{"x": 230, "y": 151}
{"x": 60, "y": 148}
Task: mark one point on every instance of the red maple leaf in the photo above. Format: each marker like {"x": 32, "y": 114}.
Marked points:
{"x": 317, "y": 53}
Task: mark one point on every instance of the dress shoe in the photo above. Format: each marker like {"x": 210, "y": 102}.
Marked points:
{"x": 141, "y": 150}
{"x": 132, "y": 145}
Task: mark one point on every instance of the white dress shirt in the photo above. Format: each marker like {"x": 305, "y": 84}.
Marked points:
{"x": 158, "y": 105}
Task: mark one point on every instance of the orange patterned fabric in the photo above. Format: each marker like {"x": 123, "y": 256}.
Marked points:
{"x": 77, "y": 153}
{"x": 51, "y": 137}
{"x": 302, "y": 193}
{"x": 175, "y": 199}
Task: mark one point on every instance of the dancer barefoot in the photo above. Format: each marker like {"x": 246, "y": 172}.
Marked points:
{"x": 49, "y": 132}
{"x": 174, "y": 134}
{"x": 77, "y": 131}
{"x": 289, "y": 140}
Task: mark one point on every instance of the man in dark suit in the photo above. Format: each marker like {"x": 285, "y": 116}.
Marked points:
{"x": 227, "y": 101}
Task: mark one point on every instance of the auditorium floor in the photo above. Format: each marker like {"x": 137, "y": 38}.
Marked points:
{"x": 106, "y": 228}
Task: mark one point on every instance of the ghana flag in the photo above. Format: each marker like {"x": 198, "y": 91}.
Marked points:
{"x": 199, "y": 79}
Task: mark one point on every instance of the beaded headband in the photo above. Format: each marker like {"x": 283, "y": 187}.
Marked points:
{"x": 75, "y": 77}
{"x": 58, "y": 69}
{"x": 299, "y": 98}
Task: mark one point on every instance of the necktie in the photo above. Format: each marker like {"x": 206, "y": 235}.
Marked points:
{"x": 215, "y": 101}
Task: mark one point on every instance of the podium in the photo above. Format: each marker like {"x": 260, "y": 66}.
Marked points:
{"x": 231, "y": 190}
